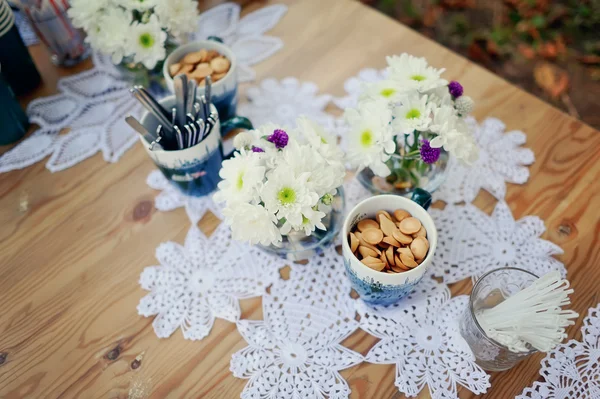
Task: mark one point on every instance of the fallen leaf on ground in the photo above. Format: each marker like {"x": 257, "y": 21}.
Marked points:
{"x": 527, "y": 51}
{"x": 590, "y": 59}
{"x": 553, "y": 80}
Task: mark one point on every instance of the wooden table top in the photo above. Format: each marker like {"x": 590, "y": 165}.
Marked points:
{"x": 73, "y": 243}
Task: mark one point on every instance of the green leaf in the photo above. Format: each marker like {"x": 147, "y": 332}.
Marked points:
{"x": 514, "y": 16}
{"x": 409, "y": 9}
{"x": 538, "y": 21}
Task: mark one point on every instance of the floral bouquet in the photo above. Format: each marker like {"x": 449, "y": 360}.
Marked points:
{"x": 134, "y": 30}
{"x": 403, "y": 126}
{"x": 281, "y": 183}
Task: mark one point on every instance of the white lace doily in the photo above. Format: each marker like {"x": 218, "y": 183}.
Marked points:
{"x": 295, "y": 352}
{"x": 420, "y": 336}
{"x": 244, "y": 36}
{"x": 282, "y": 102}
{"x": 201, "y": 280}
{"x": 501, "y": 160}
{"x": 93, "y": 105}
{"x": 171, "y": 198}
{"x": 572, "y": 370}
{"x": 471, "y": 243}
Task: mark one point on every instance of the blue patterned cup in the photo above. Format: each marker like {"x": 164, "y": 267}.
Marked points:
{"x": 224, "y": 93}
{"x": 194, "y": 170}
{"x": 377, "y": 288}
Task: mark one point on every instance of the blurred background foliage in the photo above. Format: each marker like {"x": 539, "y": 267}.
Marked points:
{"x": 549, "y": 48}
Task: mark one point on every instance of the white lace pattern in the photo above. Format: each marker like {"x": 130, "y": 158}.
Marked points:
{"x": 282, "y": 102}
{"x": 171, "y": 198}
{"x": 572, "y": 369}
{"x": 201, "y": 280}
{"x": 420, "y": 336}
{"x": 471, "y": 243}
{"x": 295, "y": 351}
{"x": 92, "y": 105}
{"x": 501, "y": 160}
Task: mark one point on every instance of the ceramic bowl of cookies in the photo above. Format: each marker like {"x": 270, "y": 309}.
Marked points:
{"x": 204, "y": 58}
{"x": 388, "y": 244}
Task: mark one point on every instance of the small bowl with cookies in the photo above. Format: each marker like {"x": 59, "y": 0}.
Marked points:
{"x": 204, "y": 58}
{"x": 389, "y": 242}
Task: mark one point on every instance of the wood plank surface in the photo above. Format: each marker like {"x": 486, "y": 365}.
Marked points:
{"x": 73, "y": 243}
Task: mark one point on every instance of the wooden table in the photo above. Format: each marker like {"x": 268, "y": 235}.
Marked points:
{"x": 74, "y": 243}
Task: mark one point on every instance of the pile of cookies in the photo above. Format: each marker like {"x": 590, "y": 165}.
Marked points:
{"x": 391, "y": 244}
{"x": 200, "y": 64}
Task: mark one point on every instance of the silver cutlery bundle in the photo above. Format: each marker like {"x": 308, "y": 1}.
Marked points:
{"x": 186, "y": 124}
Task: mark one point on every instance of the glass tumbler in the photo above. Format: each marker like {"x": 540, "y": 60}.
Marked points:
{"x": 53, "y": 26}
{"x": 490, "y": 290}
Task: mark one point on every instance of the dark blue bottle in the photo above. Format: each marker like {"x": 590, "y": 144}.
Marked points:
{"x": 17, "y": 66}
{"x": 13, "y": 121}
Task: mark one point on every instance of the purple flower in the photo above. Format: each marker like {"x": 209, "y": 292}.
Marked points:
{"x": 428, "y": 154}
{"x": 455, "y": 89}
{"x": 279, "y": 138}
{"x": 257, "y": 149}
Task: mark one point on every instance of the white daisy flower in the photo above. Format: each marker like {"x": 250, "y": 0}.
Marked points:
{"x": 453, "y": 134}
{"x": 287, "y": 195}
{"x": 413, "y": 114}
{"x": 413, "y": 73}
{"x": 370, "y": 136}
{"x": 311, "y": 220}
{"x": 439, "y": 97}
{"x": 389, "y": 90}
{"x": 179, "y": 16}
{"x": 243, "y": 140}
{"x": 84, "y": 13}
{"x": 323, "y": 176}
{"x": 252, "y": 223}
{"x": 318, "y": 138}
{"x": 114, "y": 24}
{"x": 242, "y": 177}
{"x": 147, "y": 41}
{"x": 140, "y": 5}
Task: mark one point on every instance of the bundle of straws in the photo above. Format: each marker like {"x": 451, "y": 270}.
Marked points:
{"x": 186, "y": 124}
{"x": 533, "y": 317}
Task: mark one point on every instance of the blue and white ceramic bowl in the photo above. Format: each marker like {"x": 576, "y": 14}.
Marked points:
{"x": 224, "y": 93}
{"x": 377, "y": 288}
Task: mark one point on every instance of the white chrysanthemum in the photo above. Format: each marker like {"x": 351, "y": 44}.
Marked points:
{"x": 413, "y": 114}
{"x": 85, "y": 13}
{"x": 147, "y": 41}
{"x": 243, "y": 140}
{"x": 140, "y": 5}
{"x": 114, "y": 24}
{"x": 252, "y": 223}
{"x": 242, "y": 176}
{"x": 370, "y": 136}
{"x": 287, "y": 195}
{"x": 413, "y": 73}
{"x": 323, "y": 176}
{"x": 311, "y": 220}
{"x": 453, "y": 134}
{"x": 389, "y": 90}
{"x": 179, "y": 17}
{"x": 318, "y": 138}
{"x": 439, "y": 97}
